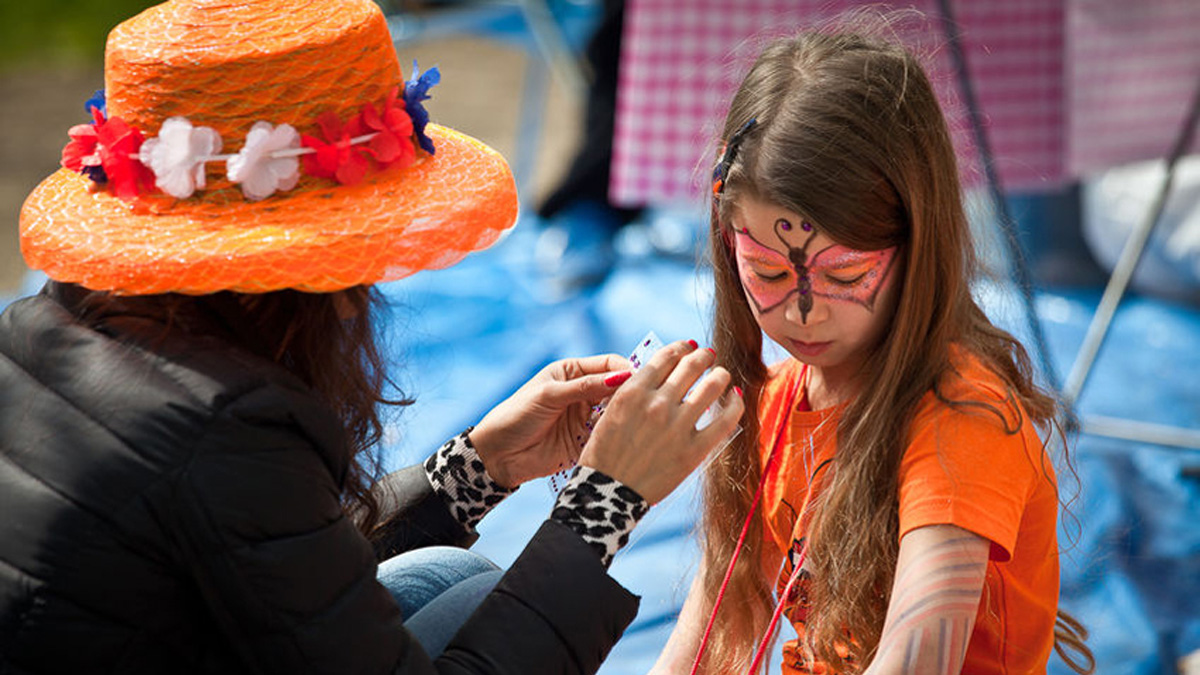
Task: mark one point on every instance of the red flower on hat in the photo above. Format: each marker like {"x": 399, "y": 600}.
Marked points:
{"x": 119, "y": 146}
{"x": 393, "y": 128}
{"x": 336, "y": 157}
{"x": 80, "y": 153}
{"x": 107, "y": 150}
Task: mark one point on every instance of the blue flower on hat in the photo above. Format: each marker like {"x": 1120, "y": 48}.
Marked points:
{"x": 97, "y": 101}
{"x": 415, "y": 91}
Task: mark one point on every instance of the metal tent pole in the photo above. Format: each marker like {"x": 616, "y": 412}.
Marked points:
{"x": 1131, "y": 253}
{"x": 1132, "y": 430}
{"x": 1127, "y": 263}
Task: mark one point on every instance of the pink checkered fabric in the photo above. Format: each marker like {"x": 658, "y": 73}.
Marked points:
{"x": 1133, "y": 69}
{"x": 1055, "y": 81}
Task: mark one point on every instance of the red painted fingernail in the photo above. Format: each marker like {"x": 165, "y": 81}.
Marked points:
{"x": 693, "y": 344}
{"x": 714, "y": 352}
{"x": 737, "y": 390}
{"x": 616, "y": 380}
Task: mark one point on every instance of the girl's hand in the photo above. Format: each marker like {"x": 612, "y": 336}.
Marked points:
{"x": 539, "y": 428}
{"x": 647, "y": 437}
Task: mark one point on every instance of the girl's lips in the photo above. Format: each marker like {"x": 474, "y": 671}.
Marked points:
{"x": 810, "y": 348}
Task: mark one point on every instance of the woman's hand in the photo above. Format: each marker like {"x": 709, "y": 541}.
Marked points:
{"x": 541, "y": 427}
{"x": 647, "y": 437}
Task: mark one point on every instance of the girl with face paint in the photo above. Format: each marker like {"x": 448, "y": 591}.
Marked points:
{"x": 894, "y": 498}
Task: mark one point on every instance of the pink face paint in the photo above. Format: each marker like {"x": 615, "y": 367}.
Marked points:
{"x": 842, "y": 273}
{"x": 837, "y": 272}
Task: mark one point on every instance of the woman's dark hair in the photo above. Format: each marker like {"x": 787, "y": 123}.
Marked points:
{"x": 327, "y": 340}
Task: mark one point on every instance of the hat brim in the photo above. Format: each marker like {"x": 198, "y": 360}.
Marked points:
{"x": 319, "y": 237}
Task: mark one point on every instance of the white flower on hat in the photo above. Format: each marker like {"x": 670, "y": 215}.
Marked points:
{"x": 260, "y": 167}
{"x": 177, "y": 156}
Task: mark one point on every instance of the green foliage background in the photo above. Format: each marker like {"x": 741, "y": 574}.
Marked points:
{"x": 69, "y": 32}
{"x": 60, "y": 31}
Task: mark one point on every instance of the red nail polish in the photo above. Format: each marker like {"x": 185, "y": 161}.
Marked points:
{"x": 714, "y": 352}
{"x": 693, "y": 344}
{"x": 617, "y": 379}
{"x": 737, "y": 390}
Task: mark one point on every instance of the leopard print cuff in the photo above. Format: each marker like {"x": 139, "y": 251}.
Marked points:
{"x": 458, "y": 475}
{"x": 600, "y": 509}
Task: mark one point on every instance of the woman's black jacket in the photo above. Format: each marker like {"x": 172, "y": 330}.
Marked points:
{"x": 173, "y": 505}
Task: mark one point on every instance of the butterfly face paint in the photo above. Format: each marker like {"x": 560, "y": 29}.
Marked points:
{"x": 772, "y": 277}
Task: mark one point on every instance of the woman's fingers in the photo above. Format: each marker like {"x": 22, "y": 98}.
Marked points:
{"x": 670, "y": 373}
{"x": 660, "y": 366}
{"x": 587, "y": 379}
{"x": 706, "y": 392}
{"x": 593, "y": 365}
{"x": 687, "y": 371}
{"x": 595, "y": 377}
{"x": 589, "y": 389}
{"x": 724, "y": 422}
{"x": 584, "y": 389}
{"x": 647, "y": 438}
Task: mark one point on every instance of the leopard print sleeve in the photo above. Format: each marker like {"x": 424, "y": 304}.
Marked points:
{"x": 458, "y": 475}
{"x": 600, "y": 509}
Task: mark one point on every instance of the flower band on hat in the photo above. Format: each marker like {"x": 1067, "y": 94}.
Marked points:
{"x": 109, "y": 151}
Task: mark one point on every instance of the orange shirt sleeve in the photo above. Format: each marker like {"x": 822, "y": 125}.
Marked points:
{"x": 967, "y": 466}
{"x": 963, "y": 467}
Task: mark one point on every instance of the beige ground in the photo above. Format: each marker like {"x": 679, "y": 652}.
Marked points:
{"x": 480, "y": 94}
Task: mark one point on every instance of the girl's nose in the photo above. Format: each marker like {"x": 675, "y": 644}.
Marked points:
{"x": 814, "y": 311}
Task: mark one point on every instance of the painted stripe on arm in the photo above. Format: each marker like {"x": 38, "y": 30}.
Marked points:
{"x": 939, "y": 580}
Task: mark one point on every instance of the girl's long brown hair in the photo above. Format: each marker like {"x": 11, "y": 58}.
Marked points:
{"x": 849, "y": 133}
{"x": 327, "y": 340}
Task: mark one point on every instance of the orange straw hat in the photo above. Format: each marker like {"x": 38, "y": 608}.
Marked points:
{"x": 331, "y": 177}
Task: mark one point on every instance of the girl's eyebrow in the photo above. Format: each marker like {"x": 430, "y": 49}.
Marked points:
{"x": 762, "y": 259}
{"x": 849, "y": 265}
{"x": 847, "y": 258}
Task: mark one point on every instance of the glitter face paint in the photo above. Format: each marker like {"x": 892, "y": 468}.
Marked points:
{"x": 771, "y": 277}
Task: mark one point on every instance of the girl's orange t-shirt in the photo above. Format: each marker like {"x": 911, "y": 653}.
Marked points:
{"x": 961, "y": 467}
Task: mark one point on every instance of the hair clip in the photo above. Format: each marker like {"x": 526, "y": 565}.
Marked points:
{"x": 728, "y": 154}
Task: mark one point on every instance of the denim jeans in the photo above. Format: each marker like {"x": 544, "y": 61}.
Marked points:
{"x": 437, "y": 588}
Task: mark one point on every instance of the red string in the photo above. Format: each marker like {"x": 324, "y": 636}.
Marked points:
{"x": 742, "y": 539}
{"x": 729, "y": 572}
{"x": 787, "y": 593}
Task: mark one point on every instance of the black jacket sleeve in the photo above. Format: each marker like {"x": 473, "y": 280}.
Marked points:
{"x": 412, "y": 515}
{"x": 291, "y": 582}
{"x": 556, "y": 610}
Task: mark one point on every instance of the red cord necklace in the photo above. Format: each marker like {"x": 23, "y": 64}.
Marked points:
{"x": 766, "y": 638}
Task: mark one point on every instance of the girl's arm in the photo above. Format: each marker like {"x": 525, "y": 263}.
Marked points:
{"x": 939, "y": 580}
{"x": 677, "y": 656}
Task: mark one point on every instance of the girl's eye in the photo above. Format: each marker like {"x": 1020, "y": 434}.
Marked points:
{"x": 840, "y": 281}
{"x": 771, "y": 277}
